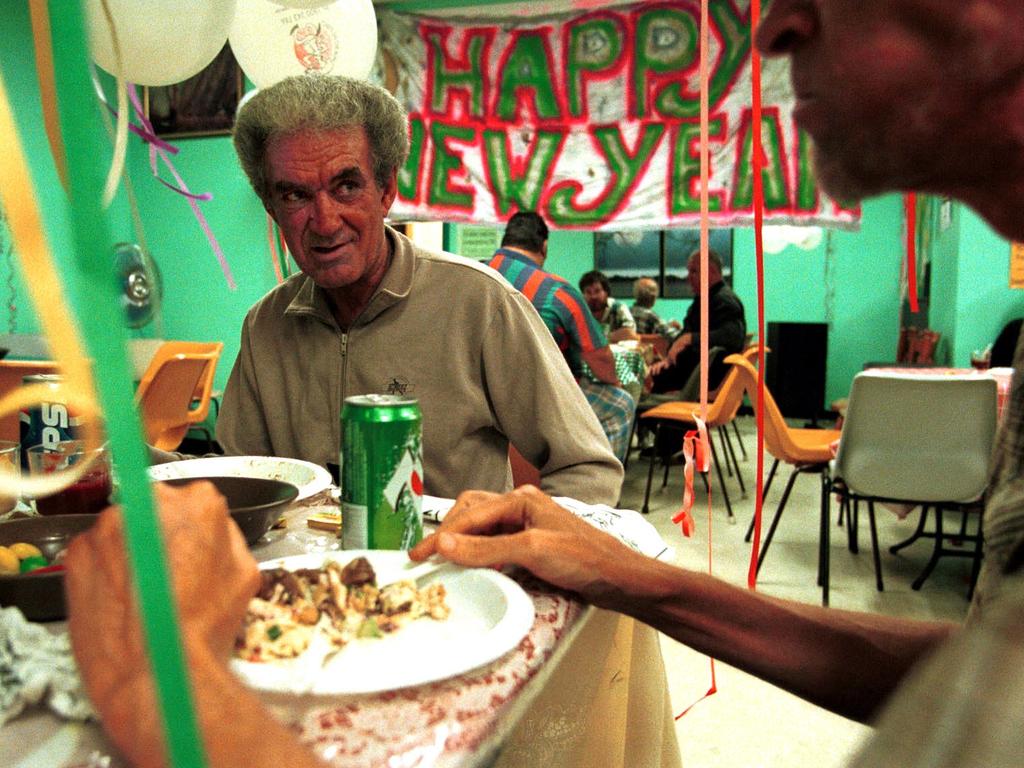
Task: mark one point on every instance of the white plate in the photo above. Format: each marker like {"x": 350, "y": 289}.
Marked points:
{"x": 490, "y": 614}
{"x": 307, "y": 477}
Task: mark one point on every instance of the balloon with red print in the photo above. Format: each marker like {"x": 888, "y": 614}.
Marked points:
{"x": 274, "y": 39}
{"x": 161, "y": 41}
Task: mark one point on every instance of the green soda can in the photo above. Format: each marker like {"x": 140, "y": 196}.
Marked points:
{"x": 381, "y": 472}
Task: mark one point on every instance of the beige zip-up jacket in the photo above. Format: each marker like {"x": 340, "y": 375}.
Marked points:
{"x": 445, "y": 330}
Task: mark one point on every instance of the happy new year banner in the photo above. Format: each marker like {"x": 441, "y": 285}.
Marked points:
{"x": 592, "y": 119}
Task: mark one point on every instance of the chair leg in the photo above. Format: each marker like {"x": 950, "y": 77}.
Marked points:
{"x": 725, "y": 450}
{"x": 915, "y": 535}
{"x": 735, "y": 464}
{"x": 853, "y": 528}
{"x": 824, "y": 542}
{"x": 936, "y": 552}
{"x": 874, "y": 546}
{"x": 650, "y": 469}
{"x": 743, "y": 448}
{"x": 764, "y": 495}
{"x": 775, "y": 520}
{"x": 721, "y": 482}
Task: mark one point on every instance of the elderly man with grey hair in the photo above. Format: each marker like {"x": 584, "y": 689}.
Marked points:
{"x": 371, "y": 312}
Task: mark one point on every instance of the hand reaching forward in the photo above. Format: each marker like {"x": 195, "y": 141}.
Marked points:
{"x": 526, "y": 528}
{"x": 213, "y": 575}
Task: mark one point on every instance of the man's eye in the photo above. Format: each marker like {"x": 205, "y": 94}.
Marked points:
{"x": 293, "y": 196}
{"x": 347, "y": 190}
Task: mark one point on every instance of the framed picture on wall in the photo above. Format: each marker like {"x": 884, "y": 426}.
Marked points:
{"x": 202, "y": 105}
{"x": 658, "y": 254}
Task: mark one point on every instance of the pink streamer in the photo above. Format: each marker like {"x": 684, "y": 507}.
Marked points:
{"x": 159, "y": 147}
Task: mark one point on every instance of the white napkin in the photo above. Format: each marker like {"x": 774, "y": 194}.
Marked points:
{"x": 37, "y": 667}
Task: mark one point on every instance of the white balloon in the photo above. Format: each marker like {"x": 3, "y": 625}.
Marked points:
{"x": 272, "y": 42}
{"x": 161, "y": 41}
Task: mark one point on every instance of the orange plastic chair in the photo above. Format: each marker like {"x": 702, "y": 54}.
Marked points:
{"x": 180, "y": 374}
{"x": 12, "y": 374}
{"x": 807, "y": 450}
{"x": 721, "y": 411}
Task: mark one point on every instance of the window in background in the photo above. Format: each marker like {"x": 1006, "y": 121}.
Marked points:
{"x": 659, "y": 254}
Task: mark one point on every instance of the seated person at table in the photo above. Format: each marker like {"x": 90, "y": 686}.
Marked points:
{"x": 645, "y": 293}
{"x": 727, "y": 328}
{"x": 524, "y": 249}
{"x": 614, "y": 317}
{"x": 372, "y": 312}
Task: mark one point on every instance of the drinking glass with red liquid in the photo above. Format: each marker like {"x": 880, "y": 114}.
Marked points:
{"x": 89, "y": 494}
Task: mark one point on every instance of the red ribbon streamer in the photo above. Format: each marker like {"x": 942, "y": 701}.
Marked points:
{"x": 758, "y": 166}
{"x": 910, "y": 209}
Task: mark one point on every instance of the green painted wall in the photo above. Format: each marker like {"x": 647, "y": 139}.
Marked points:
{"x": 984, "y": 300}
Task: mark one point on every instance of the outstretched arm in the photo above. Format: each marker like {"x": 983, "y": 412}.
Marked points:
{"x": 846, "y": 662}
{"x": 214, "y": 576}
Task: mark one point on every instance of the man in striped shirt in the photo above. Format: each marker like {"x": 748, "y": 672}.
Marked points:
{"x": 564, "y": 311}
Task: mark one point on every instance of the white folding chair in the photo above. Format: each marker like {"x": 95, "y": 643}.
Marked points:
{"x": 921, "y": 439}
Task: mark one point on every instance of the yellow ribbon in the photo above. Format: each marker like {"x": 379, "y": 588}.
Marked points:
{"x": 77, "y": 388}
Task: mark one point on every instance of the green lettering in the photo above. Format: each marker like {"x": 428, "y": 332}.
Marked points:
{"x": 773, "y": 174}
{"x": 445, "y": 162}
{"x": 666, "y": 41}
{"x": 684, "y": 196}
{"x": 446, "y": 80}
{"x": 410, "y": 172}
{"x": 595, "y": 45}
{"x": 520, "y": 183}
{"x": 806, "y": 184}
{"x": 625, "y": 168}
{"x": 529, "y": 67}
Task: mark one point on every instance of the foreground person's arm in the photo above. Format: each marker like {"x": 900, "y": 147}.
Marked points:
{"x": 214, "y": 576}
{"x": 846, "y": 662}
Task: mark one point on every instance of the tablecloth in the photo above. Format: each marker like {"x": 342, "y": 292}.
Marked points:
{"x": 584, "y": 688}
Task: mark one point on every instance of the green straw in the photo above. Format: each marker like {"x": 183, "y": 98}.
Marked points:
{"x": 103, "y": 329}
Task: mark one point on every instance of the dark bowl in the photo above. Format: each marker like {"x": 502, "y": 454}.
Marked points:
{"x": 40, "y": 596}
{"x": 255, "y": 503}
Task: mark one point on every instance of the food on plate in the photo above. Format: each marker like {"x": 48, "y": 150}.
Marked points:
{"x": 336, "y": 602}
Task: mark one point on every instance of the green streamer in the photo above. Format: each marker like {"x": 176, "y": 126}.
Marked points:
{"x": 103, "y": 329}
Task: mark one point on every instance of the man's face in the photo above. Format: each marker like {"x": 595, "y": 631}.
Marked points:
{"x": 323, "y": 195}
{"x": 885, "y": 88}
{"x": 693, "y": 274}
{"x": 596, "y": 296}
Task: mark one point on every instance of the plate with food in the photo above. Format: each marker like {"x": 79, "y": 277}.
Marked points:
{"x": 353, "y": 623}
{"x": 309, "y": 478}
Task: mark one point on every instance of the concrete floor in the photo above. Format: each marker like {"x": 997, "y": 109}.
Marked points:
{"x": 748, "y": 723}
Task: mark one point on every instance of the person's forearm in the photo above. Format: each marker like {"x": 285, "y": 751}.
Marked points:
{"x": 846, "y": 662}
{"x": 622, "y": 334}
{"x": 602, "y": 363}
{"x": 237, "y": 728}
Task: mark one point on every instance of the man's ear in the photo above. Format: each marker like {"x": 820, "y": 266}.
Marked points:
{"x": 390, "y": 191}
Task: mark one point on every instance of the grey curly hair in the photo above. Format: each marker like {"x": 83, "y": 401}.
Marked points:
{"x": 320, "y": 103}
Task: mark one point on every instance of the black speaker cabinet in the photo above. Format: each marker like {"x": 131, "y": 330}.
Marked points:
{"x": 795, "y": 368}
